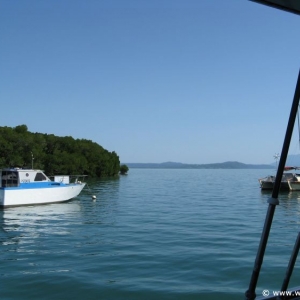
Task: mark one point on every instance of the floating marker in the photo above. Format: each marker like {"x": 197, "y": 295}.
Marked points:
{"x": 93, "y": 197}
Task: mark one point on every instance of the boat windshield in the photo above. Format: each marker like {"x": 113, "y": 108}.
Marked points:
{"x": 40, "y": 177}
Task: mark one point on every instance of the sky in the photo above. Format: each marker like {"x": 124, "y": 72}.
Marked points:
{"x": 163, "y": 80}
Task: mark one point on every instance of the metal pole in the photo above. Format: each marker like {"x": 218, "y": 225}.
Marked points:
{"x": 32, "y": 158}
{"x": 273, "y": 201}
{"x": 291, "y": 265}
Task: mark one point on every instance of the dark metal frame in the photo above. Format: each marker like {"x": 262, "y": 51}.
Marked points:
{"x": 282, "y": 5}
{"x": 273, "y": 201}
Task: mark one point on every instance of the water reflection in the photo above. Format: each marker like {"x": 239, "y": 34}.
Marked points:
{"x": 288, "y": 200}
{"x": 20, "y": 223}
{"x": 287, "y": 214}
{"x": 293, "y": 195}
{"x": 283, "y": 195}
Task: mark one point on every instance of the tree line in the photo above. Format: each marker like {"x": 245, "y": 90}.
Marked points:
{"x": 55, "y": 155}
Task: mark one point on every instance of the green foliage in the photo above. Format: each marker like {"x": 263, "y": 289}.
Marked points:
{"x": 21, "y": 129}
{"x": 123, "y": 169}
{"x": 55, "y": 155}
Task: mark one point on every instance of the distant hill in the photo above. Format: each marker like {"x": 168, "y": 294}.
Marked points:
{"x": 176, "y": 165}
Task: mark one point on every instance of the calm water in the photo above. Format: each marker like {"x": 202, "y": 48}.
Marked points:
{"x": 154, "y": 234}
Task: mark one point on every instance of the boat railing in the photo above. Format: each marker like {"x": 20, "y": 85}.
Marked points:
{"x": 68, "y": 179}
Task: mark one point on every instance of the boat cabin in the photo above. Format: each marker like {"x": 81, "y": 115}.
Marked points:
{"x": 14, "y": 177}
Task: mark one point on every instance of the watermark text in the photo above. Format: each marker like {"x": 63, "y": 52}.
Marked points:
{"x": 267, "y": 293}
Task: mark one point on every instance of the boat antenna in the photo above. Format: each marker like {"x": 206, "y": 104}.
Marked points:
{"x": 32, "y": 158}
{"x": 276, "y": 156}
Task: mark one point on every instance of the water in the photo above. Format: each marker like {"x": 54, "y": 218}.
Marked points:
{"x": 153, "y": 234}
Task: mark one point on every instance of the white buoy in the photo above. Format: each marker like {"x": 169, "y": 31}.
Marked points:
{"x": 94, "y": 197}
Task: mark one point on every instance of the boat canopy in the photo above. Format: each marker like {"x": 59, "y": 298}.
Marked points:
{"x": 291, "y": 168}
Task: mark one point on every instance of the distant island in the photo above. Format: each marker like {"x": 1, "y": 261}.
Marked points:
{"x": 176, "y": 165}
{"x": 56, "y": 155}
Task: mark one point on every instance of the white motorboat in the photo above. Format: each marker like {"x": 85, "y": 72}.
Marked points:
{"x": 29, "y": 186}
{"x": 289, "y": 182}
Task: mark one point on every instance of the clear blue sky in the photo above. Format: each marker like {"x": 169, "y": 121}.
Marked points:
{"x": 163, "y": 80}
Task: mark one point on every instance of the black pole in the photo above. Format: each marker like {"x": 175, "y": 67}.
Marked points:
{"x": 273, "y": 201}
{"x": 291, "y": 265}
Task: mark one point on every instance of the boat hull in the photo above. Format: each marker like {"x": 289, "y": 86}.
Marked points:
{"x": 294, "y": 185}
{"x": 29, "y": 196}
{"x": 268, "y": 185}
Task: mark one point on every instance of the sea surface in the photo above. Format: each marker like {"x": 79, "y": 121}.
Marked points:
{"x": 152, "y": 234}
